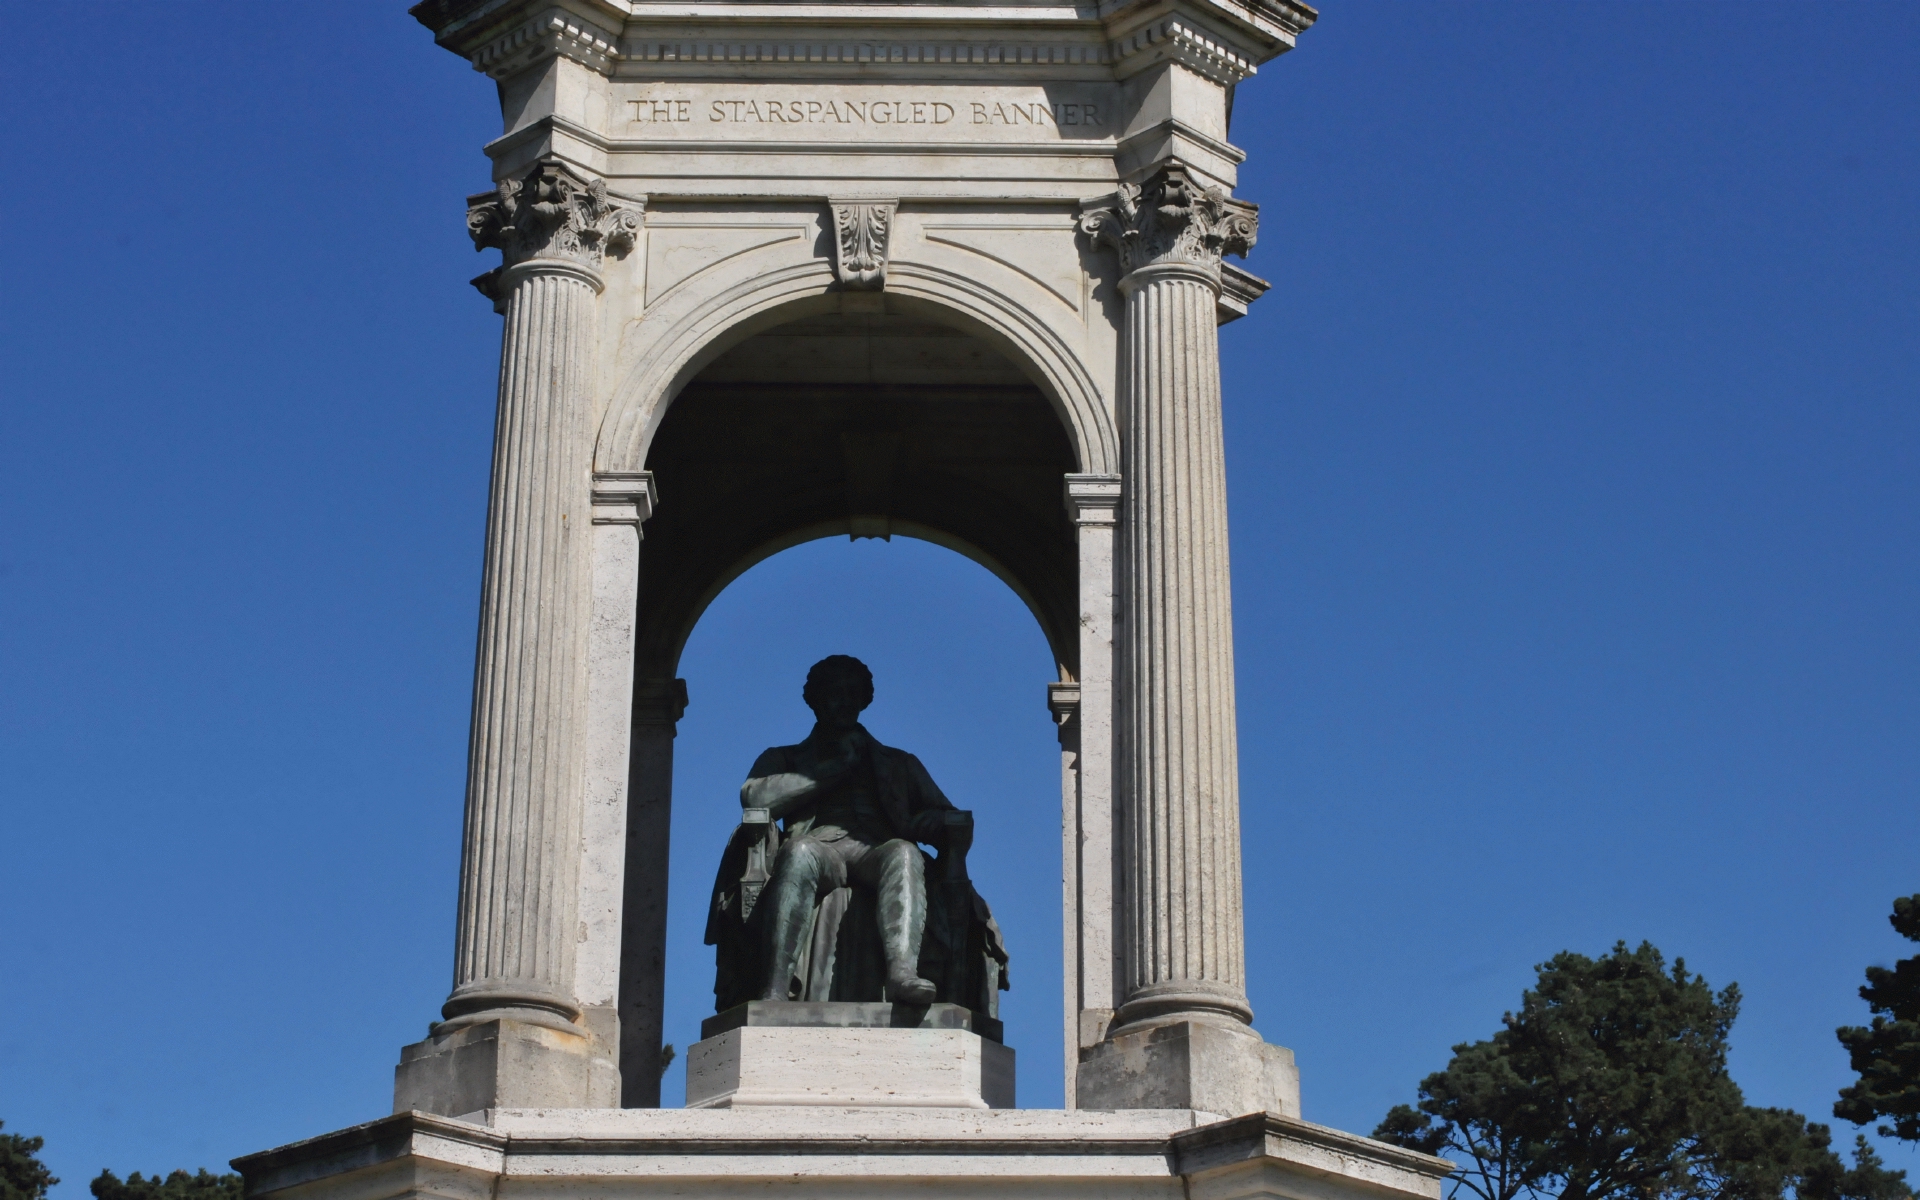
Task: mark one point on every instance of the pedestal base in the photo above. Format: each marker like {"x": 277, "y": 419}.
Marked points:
{"x": 504, "y": 1064}
{"x": 814, "y": 1153}
{"x": 894, "y": 1068}
{"x": 1190, "y": 1064}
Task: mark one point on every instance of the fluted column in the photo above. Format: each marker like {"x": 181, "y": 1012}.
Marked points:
{"x": 519, "y": 871}
{"x": 1183, "y": 943}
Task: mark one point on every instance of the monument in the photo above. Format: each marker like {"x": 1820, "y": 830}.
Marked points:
{"x": 815, "y": 268}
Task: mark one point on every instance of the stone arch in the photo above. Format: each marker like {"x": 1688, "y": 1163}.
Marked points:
{"x": 758, "y": 299}
{"x": 822, "y": 530}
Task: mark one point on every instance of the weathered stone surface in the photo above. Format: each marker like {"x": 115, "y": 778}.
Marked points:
{"x": 1213, "y": 1067}
{"x": 904, "y": 1068}
{"x": 505, "y": 1063}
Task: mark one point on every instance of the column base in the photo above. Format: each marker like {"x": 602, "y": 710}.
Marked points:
{"x": 1190, "y": 1064}
{"x": 504, "y": 1063}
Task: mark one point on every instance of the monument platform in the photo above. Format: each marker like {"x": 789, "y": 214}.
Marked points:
{"x": 1164, "y": 1154}
{"x": 833, "y": 1053}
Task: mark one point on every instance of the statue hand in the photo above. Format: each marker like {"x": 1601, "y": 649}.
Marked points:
{"x": 929, "y": 827}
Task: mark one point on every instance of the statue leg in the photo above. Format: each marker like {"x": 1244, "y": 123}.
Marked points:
{"x": 898, "y": 875}
{"x": 797, "y": 873}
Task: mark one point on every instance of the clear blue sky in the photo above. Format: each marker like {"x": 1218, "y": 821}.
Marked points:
{"x": 1573, "y": 470}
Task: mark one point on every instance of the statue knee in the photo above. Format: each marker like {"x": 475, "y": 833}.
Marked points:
{"x": 799, "y": 863}
{"x": 904, "y": 856}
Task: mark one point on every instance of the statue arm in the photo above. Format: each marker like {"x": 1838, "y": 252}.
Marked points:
{"x": 774, "y": 785}
{"x": 929, "y": 805}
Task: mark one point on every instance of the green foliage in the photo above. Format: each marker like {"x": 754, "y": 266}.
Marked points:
{"x": 1886, "y": 1054}
{"x": 177, "y": 1186}
{"x": 22, "y": 1175}
{"x": 1610, "y": 1083}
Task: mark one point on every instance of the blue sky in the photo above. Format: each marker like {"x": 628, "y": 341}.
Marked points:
{"x": 1573, "y": 482}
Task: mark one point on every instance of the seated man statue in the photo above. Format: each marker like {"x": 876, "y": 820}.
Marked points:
{"x": 854, "y": 812}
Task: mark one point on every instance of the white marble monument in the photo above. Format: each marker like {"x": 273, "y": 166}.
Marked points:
{"x": 774, "y": 270}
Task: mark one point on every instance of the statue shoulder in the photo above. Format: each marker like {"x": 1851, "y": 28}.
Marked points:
{"x": 911, "y": 775}
{"x": 774, "y": 760}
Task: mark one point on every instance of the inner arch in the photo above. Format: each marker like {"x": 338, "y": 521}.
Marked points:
{"x": 878, "y": 423}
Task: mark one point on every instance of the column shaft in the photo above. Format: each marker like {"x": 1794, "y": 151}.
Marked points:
{"x": 1179, "y": 763}
{"x": 519, "y": 878}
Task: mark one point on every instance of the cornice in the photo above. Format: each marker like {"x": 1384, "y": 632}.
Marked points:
{"x": 1222, "y": 40}
{"x": 1176, "y": 39}
{"x": 555, "y": 33}
{"x": 1274, "y": 1137}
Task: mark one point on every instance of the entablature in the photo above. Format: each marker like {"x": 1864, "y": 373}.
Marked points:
{"x": 1221, "y": 40}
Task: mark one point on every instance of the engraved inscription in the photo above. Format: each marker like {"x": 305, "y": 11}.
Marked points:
{"x": 1085, "y": 117}
{"x": 663, "y": 110}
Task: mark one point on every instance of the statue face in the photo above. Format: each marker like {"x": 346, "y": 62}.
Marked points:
{"x": 837, "y": 701}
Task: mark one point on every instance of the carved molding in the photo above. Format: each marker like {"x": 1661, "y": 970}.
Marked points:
{"x": 551, "y": 213}
{"x": 1238, "y": 290}
{"x": 623, "y": 497}
{"x": 555, "y": 33}
{"x": 1093, "y": 499}
{"x": 1172, "y": 218}
{"x": 869, "y": 53}
{"x": 862, "y": 230}
{"x": 1174, "y": 40}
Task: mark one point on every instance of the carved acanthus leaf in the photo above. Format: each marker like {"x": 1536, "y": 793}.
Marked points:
{"x": 1172, "y": 217}
{"x": 862, "y": 230}
{"x": 550, "y": 212}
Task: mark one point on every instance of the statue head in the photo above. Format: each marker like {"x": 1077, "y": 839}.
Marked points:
{"x": 838, "y": 687}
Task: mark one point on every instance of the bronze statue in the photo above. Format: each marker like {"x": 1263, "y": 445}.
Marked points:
{"x": 844, "y": 905}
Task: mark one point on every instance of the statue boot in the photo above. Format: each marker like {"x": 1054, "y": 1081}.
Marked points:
{"x": 902, "y": 892}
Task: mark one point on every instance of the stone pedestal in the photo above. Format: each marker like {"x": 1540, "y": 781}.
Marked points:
{"x": 1216, "y": 1068}
{"x": 832, "y": 1053}
{"x": 879, "y": 1068}
{"x": 502, "y": 1063}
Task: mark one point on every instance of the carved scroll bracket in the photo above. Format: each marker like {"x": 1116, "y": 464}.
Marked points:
{"x": 1172, "y": 218}
{"x": 862, "y": 230}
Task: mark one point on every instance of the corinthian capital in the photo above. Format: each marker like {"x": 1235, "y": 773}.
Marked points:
{"x": 1172, "y": 218}
{"x": 552, "y": 213}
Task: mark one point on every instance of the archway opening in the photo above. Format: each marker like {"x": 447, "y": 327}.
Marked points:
{"x": 893, "y": 420}
{"x": 958, "y": 664}
{"x": 863, "y": 423}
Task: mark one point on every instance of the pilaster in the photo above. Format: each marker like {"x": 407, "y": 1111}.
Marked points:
{"x": 1093, "y": 504}
{"x": 657, "y": 707}
{"x": 622, "y": 502}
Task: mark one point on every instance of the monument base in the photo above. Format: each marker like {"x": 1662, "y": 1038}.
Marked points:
{"x": 1190, "y": 1064}
{"x": 504, "y": 1062}
{"x": 811, "y": 1153}
{"x": 845, "y": 1054}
